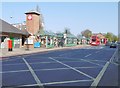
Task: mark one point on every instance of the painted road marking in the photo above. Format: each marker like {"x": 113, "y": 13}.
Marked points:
{"x": 76, "y": 60}
{"x": 97, "y": 60}
{"x": 101, "y": 47}
{"x": 116, "y": 64}
{"x": 13, "y": 71}
{"x": 74, "y": 81}
{"x": 13, "y": 64}
{"x": 92, "y": 62}
{"x": 61, "y": 82}
{"x": 72, "y": 68}
{"x": 97, "y": 51}
{"x": 88, "y": 55}
{"x": 33, "y": 74}
{"x": 98, "y": 78}
{"x": 47, "y": 69}
{"x": 41, "y": 63}
{"x": 113, "y": 57}
{"x": 30, "y": 63}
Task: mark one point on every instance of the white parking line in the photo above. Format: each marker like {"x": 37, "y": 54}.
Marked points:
{"x": 74, "y": 81}
{"x": 41, "y": 62}
{"x": 100, "y": 75}
{"x": 13, "y": 71}
{"x": 101, "y": 47}
{"x": 97, "y": 51}
{"x": 33, "y": 74}
{"x": 47, "y": 69}
{"x": 88, "y": 55}
{"x": 115, "y": 63}
{"x": 29, "y": 63}
{"x": 72, "y": 68}
{"x": 61, "y": 82}
{"x": 92, "y": 62}
{"x": 97, "y": 60}
{"x": 13, "y": 64}
{"x": 113, "y": 57}
{"x": 98, "y": 78}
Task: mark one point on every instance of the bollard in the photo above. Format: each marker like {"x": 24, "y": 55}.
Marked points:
{"x": 9, "y": 45}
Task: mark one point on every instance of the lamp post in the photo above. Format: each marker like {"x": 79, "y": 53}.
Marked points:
{"x": 27, "y": 46}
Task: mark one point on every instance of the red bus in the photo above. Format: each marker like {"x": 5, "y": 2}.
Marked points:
{"x": 95, "y": 41}
{"x": 105, "y": 40}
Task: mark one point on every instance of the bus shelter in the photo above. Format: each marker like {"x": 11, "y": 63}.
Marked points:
{"x": 70, "y": 40}
{"x": 47, "y": 38}
{"x": 82, "y": 40}
{"x": 59, "y": 40}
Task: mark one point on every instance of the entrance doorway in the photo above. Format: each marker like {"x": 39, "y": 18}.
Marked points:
{"x": 23, "y": 40}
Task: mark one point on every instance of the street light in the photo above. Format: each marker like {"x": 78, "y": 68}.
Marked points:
{"x": 27, "y": 47}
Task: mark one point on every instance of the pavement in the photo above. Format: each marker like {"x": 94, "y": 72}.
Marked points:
{"x": 22, "y": 51}
{"x": 80, "y": 67}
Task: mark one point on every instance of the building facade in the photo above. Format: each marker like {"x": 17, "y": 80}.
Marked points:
{"x": 8, "y": 32}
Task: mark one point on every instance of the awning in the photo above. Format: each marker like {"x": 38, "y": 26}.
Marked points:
{"x": 45, "y": 33}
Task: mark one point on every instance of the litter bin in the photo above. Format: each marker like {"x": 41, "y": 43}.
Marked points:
{"x": 9, "y": 45}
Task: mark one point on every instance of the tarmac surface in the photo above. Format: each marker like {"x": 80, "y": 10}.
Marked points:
{"x": 75, "y": 67}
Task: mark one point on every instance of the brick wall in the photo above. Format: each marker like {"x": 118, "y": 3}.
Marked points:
{"x": 33, "y": 24}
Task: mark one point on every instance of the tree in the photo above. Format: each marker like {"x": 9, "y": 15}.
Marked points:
{"x": 87, "y": 33}
{"x": 115, "y": 38}
{"x": 79, "y": 36}
{"x": 111, "y": 37}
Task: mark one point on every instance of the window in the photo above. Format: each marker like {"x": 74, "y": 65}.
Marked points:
{"x": 93, "y": 40}
{"x": 3, "y": 38}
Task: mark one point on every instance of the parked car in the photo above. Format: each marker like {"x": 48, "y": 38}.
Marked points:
{"x": 113, "y": 45}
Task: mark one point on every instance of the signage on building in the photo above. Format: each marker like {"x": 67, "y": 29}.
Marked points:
{"x": 29, "y": 17}
{"x": 65, "y": 35}
{"x": 29, "y": 41}
{"x": 16, "y": 42}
